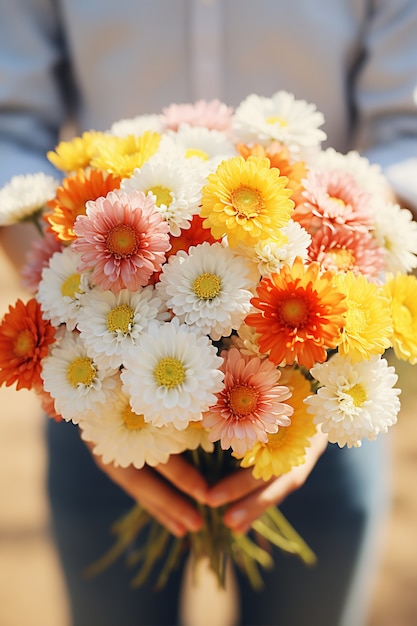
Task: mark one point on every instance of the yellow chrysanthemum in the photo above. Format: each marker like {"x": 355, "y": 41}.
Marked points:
{"x": 246, "y": 200}
{"x": 75, "y": 154}
{"x": 121, "y": 155}
{"x": 286, "y": 448}
{"x": 402, "y": 293}
{"x": 368, "y": 327}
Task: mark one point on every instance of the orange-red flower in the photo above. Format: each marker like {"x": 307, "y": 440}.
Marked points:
{"x": 192, "y": 236}
{"x": 300, "y": 314}
{"x": 71, "y": 197}
{"x": 24, "y": 340}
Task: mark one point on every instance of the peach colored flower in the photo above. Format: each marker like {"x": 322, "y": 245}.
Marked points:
{"x": 250, "y": 405}
{"x": 123, "y": 239}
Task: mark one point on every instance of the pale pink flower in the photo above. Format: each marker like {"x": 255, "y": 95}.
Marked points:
{"x": 342, "y": 249}
{"x": 250, "y": 405}
{"x": 37, "y": 259}
{"x": 334, "y": 198}
{"x": 214, "y": 115}
{"x": 123, "y": 239}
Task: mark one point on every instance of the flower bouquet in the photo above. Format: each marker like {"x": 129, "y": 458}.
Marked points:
{"x": 214, "y": 283}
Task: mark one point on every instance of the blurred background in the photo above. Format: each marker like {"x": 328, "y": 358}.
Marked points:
{"x": 32, "y": 591}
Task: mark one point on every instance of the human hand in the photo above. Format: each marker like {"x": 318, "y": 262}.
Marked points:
{"x": 251, "y": 497}
{"x": 163, "y": 491}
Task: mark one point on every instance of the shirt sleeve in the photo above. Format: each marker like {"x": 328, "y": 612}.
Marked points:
{"x": 34, "y": 99}
{"x": 385, "y": 92}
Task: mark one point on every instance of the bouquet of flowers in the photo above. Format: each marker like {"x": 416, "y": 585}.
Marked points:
{"x": 212, "y": 282}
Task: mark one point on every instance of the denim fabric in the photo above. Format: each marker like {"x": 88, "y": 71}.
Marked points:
{"x": 337, "y": 512}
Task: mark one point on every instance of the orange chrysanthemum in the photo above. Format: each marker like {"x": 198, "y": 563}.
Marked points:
{"x": 24, "y": 340}
{"x": 300, "y": 314}
{"x": 279, "y": 158}
{"x": 71, "y": 197}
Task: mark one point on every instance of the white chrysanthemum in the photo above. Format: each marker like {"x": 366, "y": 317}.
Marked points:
{"x": 25, "y": 195}
{"x": 272, "y": 255}
{"x": 137, "y": 125}
{"x": 368, "y": 176}
{"x": 174, "y": 187}
{"x": 61, "y": 288}
{"x": 74, "y": 380}
{"x": 172, "y": 376}
{"x": 207, "y": 288}
{"x": 110, "y": 323}
{"x": 205, "y": 147}
{"x": 123, "y": 438}
{"x": 396, "y": 233}
{"x": 194, "y": 436}
{"x": 355, "y": 400}
{"x": 282, "y": 118}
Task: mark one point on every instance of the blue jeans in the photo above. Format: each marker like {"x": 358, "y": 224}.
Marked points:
{"x": 338, "y": 513}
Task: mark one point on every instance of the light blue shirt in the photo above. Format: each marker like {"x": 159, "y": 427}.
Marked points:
{"x": 102, "y": 60}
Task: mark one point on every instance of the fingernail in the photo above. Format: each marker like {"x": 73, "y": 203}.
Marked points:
{"x": 236, "y": 517}
{"x": 217, "y": 498}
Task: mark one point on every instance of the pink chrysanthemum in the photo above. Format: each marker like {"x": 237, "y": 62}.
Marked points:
{"x": 214, "y": 115}
{"x": 333, "y": 198}
{"x": 342, "y": 249}
{"x": 37, "y": 259}
{"x": 250, "y": 405}
{"x": 123, "y": 239}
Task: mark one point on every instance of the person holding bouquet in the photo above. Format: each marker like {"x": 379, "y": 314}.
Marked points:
{"x": 68, "y": 68}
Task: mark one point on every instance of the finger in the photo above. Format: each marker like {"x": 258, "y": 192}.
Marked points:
{"x": 233, "y": 487}
{"x": 240, "y": 516}
{"x": 165, "y": 503}
{"x": 185, "y": 477}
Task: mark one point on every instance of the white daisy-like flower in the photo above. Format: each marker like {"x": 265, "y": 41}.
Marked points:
{"x": 61, "y": 288}
{"x": 396, "y": 233}
{"x": 123, "y": 438}
{"x": 109, "y": 323}
{"x": 282, "y": 118}
{"x": 74, "y": 380}
{"x": 138, "y": 125}
{"x": 273, "y": 255}
{"x": 204, "y": 147}
{"x": 24, "y": 196}
{"x": 355, "y": 400}
{"x": 194, "y": 436}
{"x": 207, "y": 288}
{"x": 172, "y": 376}
{"x": 174, "y": 188}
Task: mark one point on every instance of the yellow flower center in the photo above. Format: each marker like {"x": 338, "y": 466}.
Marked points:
{"x": 355, "y": 318}
{"x": 169, "y": 372}
{"x": 358, "y": 394}
{"x": 81, "y": 371}
{"x": 342, "y": 259}
{"x": 163, "y": 195}
{"x": 339, "y": 201}
{"x": 277, "y": 119}
{"x": 24, "y": 344}
{"x": 71, "y": 285}
{"x": 247, "y": 202}
{"x": 276, "y": 440}
{"x": 207, "y": 286}
{"x": 121, "y": 241}
{"x": 132, "y": 420}
{"x": 294, "y": 312}
{"x": 120, "y": 319}
{"x": 243, "y": 400}
{"x": 195, "y": 152}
